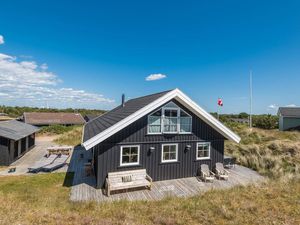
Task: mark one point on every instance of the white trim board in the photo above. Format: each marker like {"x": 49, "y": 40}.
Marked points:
{"x": 174, "y": 94}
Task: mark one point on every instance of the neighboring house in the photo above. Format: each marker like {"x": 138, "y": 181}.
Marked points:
{"x": 52, "y": 118}
{"x": 166, "y": 133}
{"x": 289, "y": 118}
{"x": 16, "y": 138}
{"x": 89, "y": 117}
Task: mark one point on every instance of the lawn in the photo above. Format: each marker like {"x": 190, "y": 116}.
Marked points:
{"x": 44, "y": 199}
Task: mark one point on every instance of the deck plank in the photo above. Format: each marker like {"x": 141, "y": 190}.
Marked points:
{"x": 83, "y": 188}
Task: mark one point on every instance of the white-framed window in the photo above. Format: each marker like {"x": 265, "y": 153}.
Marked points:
{"x": 169, "y": 119}
{"x": 154, "y": 122}
{"x": 130, "y": 155}
{"x": 169, "y": 153}
{"x": 203, "y": 150}
{"x": 185, "y": 122}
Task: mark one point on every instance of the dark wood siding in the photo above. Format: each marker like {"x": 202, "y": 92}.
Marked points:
{"x": 23, "y": 145}
{"x": 108, "y": 152}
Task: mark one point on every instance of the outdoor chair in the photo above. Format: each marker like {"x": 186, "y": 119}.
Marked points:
{"x": 221, "y": 173}
{"x": 206, "y": 174}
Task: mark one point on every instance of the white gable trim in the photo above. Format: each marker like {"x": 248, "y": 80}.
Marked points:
{"x": 179, "y": 96}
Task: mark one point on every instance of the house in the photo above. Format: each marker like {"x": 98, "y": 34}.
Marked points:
{"x": 289, "y": 118}
{"x": 16, "y": 138}
{"x": 52, "y": 118}
{"x": 166, "y": 133}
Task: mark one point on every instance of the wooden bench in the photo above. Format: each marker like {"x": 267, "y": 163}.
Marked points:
{"x": 116, "y": 180}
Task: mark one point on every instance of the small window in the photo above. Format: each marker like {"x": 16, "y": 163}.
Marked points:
{"x": 203, "y": 150}
{"x": 129, "y": 155}
{"x": 169, "y": 152}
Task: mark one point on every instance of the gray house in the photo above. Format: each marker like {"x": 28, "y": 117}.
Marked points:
{"x": 166, "y": 133}
{"x": 16, "y": 138}
{"x": 289, "y": 118}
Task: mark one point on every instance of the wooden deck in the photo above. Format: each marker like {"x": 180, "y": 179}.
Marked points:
{"x": 83, "y": 188}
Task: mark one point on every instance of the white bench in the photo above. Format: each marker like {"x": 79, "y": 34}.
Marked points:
{"x": 116, "y": 180}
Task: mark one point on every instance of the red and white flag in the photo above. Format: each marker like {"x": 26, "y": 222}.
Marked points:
{"x": 220, "y": 102}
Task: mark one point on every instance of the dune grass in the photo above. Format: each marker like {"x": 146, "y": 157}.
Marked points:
{"x": 71, "y": 137}
{"x": 271, "y": 152}
{"x": 42, "y": 199}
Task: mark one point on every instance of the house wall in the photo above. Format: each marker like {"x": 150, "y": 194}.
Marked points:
{"x": 286, "y": 123}
{"x": 107, "y": 153}
{"x": 4, "y": 152}
{"x": 14, "y": 149}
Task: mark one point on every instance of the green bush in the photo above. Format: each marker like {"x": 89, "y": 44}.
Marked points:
{"x": 265, "y": 121}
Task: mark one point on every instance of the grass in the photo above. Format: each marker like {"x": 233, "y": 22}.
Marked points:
{"x": 56, "y": 129}
{"x": 272, "y": 153}
{"x": 42, "y": 199}
{"x": 71, "y": 137}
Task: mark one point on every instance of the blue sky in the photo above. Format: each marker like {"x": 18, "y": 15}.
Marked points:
{"x": 87, "y": 53}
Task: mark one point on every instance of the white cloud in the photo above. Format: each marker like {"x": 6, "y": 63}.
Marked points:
{"x": 272, "y": 107}
{"x": 291, "y": 105}
{"x": 1, "y": 40}
{"x": 155, "y": 76}
{"x": 28, "y": 82}
{"x": 44, "y": 66}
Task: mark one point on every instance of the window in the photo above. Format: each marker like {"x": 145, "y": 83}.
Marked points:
{"x": 185, "y": 122}
{"x": 130, "y": 155}
{"x": 169, "y": 152}
{"x": 154, "y": 122}
{"x": 203, "y": 150}
{"x": 169, "y": 119}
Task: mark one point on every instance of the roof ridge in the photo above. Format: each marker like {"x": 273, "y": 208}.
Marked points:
{"x": 151, "y": 94}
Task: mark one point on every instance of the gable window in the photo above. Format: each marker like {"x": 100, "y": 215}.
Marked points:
{"x": 169, "y": 119}
{"x": 203, "y": 150}
{"x": 169, "y": 153}
{"x": 185, "y": 122}
{"x": 130, "y": 155}
{"x": 154, "y": 122}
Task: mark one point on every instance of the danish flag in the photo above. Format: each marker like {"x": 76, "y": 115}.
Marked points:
{"x": 220, "y": 102}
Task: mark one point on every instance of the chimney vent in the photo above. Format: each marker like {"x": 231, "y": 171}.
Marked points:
{"x": 123, "y": 100}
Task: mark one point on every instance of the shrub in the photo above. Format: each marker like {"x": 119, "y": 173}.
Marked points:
{"x": 265, "y": 121}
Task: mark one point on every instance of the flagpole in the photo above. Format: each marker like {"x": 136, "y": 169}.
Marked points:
{"x": 250, "y": 116}
{"x": 218, "y": 112}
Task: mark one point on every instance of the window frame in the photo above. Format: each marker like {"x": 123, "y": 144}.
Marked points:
{"x": 121, "y": 155}
{"x": 162, "y": 153}
{"x": 148, "y": 125}
{"x": 209, "y": 148}
{"x": 179, "y": 124}
{"x": 163, "y": 108}
{"x": 177, "y": 119}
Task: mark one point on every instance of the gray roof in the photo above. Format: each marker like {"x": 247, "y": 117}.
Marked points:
{"x": 89, "y": 117}
{"x": 289, "y": 111}
{"x": 16, "y": 130}
{"x": 101, "y": 123}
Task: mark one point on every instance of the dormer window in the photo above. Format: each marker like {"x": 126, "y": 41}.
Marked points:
{"x": 169, "y": 119}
